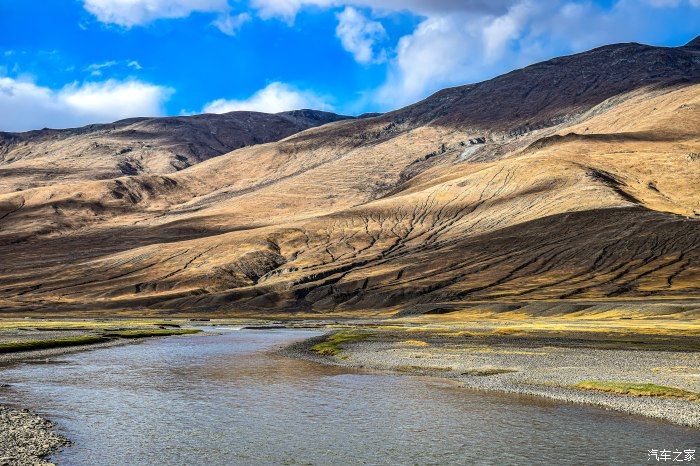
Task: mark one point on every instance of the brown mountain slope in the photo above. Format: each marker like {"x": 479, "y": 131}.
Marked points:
{"x": 602, "y": 205}
{"x": 139, "y": 145}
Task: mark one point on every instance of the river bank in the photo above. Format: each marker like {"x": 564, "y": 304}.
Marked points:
{"x": 661, "y": 382}
{"x": 26, "y": 438}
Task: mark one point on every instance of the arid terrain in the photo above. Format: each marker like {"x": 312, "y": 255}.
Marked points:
{"x": 567, "y": 186}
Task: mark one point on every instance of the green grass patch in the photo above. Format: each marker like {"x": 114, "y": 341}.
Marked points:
{"x": 332, "y": 344}
{"x": 29, "y": 345}
{"x": 638, "y": 389}
{"x": 144, "y": 333}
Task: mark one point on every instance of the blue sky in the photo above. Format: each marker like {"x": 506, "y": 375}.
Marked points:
{"x": 72, "y": 62}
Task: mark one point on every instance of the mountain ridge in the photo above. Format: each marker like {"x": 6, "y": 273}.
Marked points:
{"x": 156, "y": 145}
{"x": 591, "y": 194}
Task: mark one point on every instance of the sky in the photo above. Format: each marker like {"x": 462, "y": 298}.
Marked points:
{"x": 66, "y": 63}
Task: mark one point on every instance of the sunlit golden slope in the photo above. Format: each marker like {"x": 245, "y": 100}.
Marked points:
{"x": 601, "y": 202}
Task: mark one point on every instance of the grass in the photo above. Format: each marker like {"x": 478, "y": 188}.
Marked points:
{"x": 144, "y": 333}
{"x": 585, "y": 336}
{"x": 414, "y": 343}
{"x": 507, "y": 331}
{"x": 638, "y": 389}
{"x": 486, "y": 371}
{"x": 331, "y": 346}
{"x": 62, "y": 342}
{"x": 28, "y": 345}
{"x": 80, "y": 324}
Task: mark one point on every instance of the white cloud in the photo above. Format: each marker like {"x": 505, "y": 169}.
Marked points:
{"x": 461, "y": 47}
{"x": 275, "y": 97}
{"x": 442, "y": 49}
{"x": 464, "y": 46}
{"x": 359, "y": 36}
{"x": 284, "y": 9}
{"x": 96, "y": 68}
{"x": 505, "y": 28}
{"x": 288, "y": 9}
{"x": 25, "y": 105}
{"x": 230, "y": 24}
{"x": 130, "y": 13}
{"x": 455, "y": 41}
{"x": 99, "y": 66}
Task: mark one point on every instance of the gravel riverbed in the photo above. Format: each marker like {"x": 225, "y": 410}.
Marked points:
{"x": 26, "y": 438}
{"x": 537, "y": 369}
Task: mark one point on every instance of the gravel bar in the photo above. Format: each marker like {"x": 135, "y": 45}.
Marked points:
{"x": 543, "y": 371}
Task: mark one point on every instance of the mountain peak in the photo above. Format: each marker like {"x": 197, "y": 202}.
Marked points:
{"x": 695, "y": 43}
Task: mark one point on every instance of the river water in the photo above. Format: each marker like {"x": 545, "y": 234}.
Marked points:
{"x": 226, "y": 398}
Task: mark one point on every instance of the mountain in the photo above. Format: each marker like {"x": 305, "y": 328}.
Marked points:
{"x": 568, "y": 184}
{"x": 140, "y": 145}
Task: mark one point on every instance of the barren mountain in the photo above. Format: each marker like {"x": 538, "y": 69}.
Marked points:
{"x": 573, "y": 180}
{"x": 139, "y": 145}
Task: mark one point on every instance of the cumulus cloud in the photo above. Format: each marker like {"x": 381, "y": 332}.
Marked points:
{"x": 455, "y": 41}
{"x": 130, "y": 13}
{"x": 138, "y": 12}
{"x": 467, "y": 46}
{"x": 25, "y": 105}
{"x": 462, "y": 47}
{"x": 360, "y": 36}
{"x": 502, "y": 29}
{"x": 275, "y": 97}
{"x": 288, "y": 9}
{"x": 428, "y": 56}
{"x": 283, "y": 9}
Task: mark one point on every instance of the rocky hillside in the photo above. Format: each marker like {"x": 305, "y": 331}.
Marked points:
{"x": 140, "y": 145}
{"x": 573, "y": 180}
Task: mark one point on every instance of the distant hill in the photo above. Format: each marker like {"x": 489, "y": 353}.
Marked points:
{"x": 140, "y": 145}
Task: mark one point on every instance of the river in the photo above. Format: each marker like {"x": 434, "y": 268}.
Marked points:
{"x": 226, "y": 398}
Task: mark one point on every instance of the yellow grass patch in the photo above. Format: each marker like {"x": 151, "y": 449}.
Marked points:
{"x": 419, "y": 343}
{"x": 638, "y": 389}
